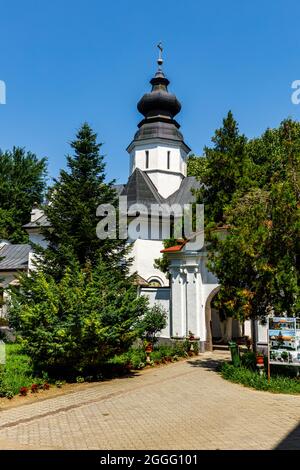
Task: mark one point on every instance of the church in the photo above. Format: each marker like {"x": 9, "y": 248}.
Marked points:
{"x": 157, "y": 175}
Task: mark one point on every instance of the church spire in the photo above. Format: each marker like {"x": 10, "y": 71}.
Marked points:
{"x": 160, "y": 59}
{"x": 158, "y": 146}
{"x": 159, "y": 107}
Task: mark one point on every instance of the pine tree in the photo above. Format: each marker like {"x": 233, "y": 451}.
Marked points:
{"x": 80, "y": 307}
{"x": 74, "y": 199}
{"x": 224, "y": 170}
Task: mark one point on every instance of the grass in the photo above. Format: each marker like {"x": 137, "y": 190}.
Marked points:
{"x": 17, "y": 372}
{"x": 251, "y": 378}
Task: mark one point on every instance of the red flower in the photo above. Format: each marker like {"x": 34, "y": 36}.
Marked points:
{"x": 23, "y": 391}
{"x": 34, "y": 388}
{"x": 46, "y": 386}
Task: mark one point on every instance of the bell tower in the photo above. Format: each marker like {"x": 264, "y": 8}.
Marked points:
{"x": 158, "y": 147}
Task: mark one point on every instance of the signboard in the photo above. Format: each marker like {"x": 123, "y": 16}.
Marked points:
{"x": 284, "y": 341}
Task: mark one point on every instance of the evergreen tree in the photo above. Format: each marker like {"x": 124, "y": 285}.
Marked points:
{"x": 22, "y": 183}
{"x": 74, "y": 199}
{"x": 224, "y": 170}
{"x": 79, "y": 307}
{"x": 77, "y": 323}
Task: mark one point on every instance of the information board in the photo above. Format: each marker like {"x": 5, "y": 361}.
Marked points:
{"x": 284, "y": 341}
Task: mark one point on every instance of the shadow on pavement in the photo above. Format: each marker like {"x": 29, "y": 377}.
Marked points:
{"x": 291, "y": 441}
{"x": 207, "y": 364}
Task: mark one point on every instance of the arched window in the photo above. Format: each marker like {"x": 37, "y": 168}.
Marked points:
{"x": 154, "y": 282}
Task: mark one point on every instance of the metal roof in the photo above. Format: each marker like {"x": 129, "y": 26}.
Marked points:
{"x": 184, "y": 194}
{"x": 40, "y": 222}
{"x": 141, "y": 190}
{"x": 14, "y": 257}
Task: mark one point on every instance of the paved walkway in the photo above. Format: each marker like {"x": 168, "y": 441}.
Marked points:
{"x": 186, "y": 405}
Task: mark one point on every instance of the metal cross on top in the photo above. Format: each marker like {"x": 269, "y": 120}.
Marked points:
{"x": 160, "y": 59}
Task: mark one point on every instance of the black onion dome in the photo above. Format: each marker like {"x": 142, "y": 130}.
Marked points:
{"x": 159, "y": 107}
{"x": 159, "y": 102}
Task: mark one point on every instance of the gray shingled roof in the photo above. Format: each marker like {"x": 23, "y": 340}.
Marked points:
{"x": 14, "y": 257}
{"x": 40, "y": 222}
{"x": 141, "y": 190}
{"x": 184, "y": 194}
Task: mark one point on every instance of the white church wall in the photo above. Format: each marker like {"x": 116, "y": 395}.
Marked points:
{"x": 160, "y": 296}
{"x": 166, "y": 164}
{"x": 158, "y": 157}
{"x": 165, "y": 181}
{"x": 144, "y": 252}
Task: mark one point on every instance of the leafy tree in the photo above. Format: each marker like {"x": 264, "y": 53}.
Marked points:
{"x": 257, "y": 263}
{"x": 153, "y": 322}
{"x": 162, "y": 263}
{"x": 79, "y": 322}
{"x": 196, "y": 166}
{"x": 74, "y": 199}
{"x": 22, "y": 183}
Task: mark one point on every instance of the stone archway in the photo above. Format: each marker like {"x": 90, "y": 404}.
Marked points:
{"x": 208, "y": 319}
{"x": 213, "y": 326}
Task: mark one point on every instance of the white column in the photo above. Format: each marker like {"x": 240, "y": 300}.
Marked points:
{"x": 177, "y": 327}
{"x": 183, "y": 282}
{"x": 191, "y": 301}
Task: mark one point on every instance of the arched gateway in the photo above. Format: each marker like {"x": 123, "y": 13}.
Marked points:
{"x": 209, "y": 320}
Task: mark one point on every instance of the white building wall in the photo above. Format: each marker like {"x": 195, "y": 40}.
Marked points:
{"x": 144, "y": 252}
{"x": 165, "y": 182}
{"x": 160, "y": 296}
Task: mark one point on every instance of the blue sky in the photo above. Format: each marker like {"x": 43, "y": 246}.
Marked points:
{"x": 65, "y": 62}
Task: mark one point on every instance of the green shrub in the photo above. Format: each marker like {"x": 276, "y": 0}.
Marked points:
{"x": 248, "y": 360}
{"x": 181, "y": 348}
{"x": 156, "y": 355}
{"x": 196, "y": 347}
{"x": 73, "y": 326}
{"x": 137, "y": 358}
{"x": 153, "y": 322}
{"x": 122, "y": 360}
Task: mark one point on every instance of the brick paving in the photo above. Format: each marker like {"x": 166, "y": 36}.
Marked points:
{"x": 186, "y": 405}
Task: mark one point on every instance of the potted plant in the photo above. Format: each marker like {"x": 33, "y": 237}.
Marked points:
{"x": 285, "y": 356}
{"x": 191, "y": 336}
{"x": 259, "y": 359}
